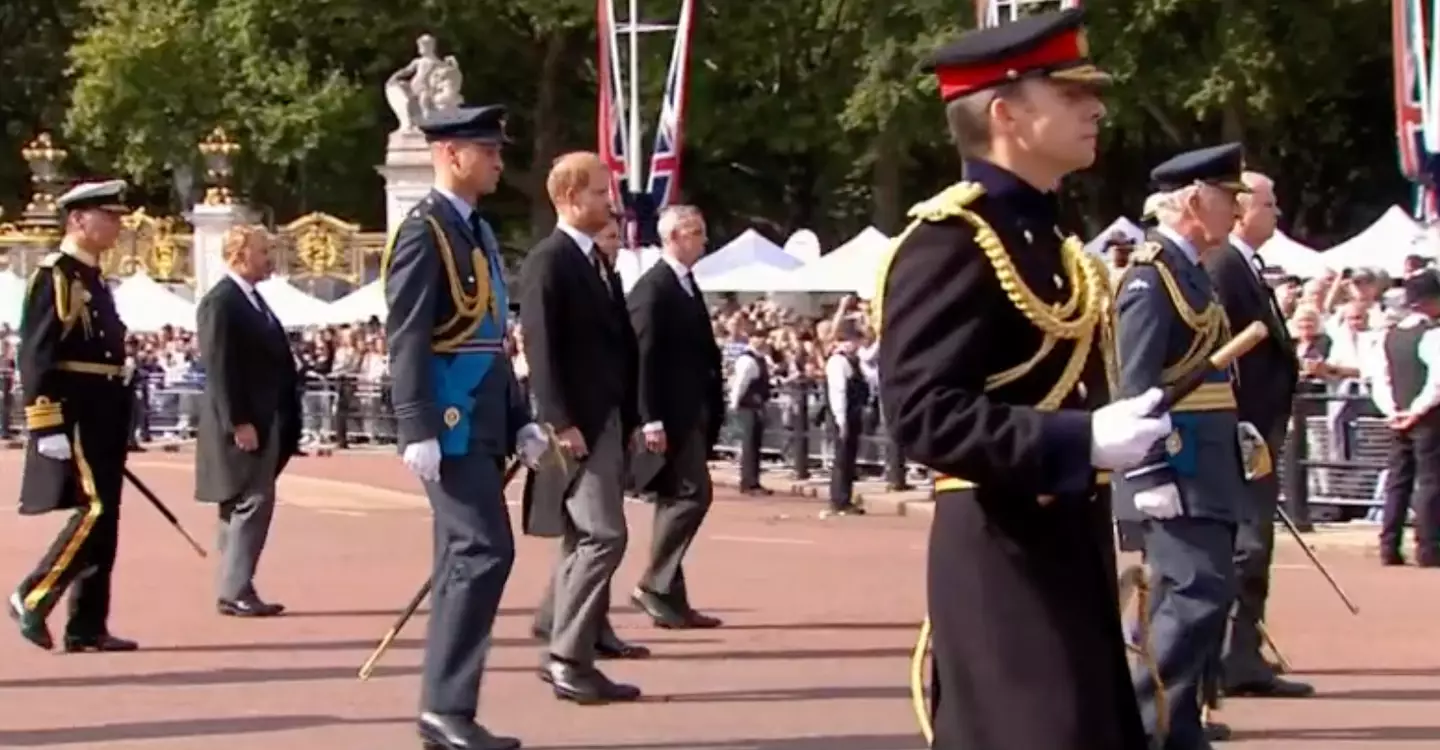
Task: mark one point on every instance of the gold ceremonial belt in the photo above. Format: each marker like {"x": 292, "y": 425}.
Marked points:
{"x": 945, "y": 483}
{"x": 1208, "y": 397}
{"x": 91, "y": 368}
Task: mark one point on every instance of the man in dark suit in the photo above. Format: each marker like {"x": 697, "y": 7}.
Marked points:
{"x": 577, "y": 342}
{"x": 609, "y": 645}
{"x": 250, "y": 417}
{"x": 1264, "y": 389}
{"x": 681, "y": 401}
{"x": 458, "y": 411}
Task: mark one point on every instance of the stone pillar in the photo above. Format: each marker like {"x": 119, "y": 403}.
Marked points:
{"x": 211, "y": 222}
{"x": 216, "y": 213}
{"x": 408, "y": 175}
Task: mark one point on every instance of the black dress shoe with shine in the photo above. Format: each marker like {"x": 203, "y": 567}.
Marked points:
{"x": 586, "y": 686}
{"x": 247, "y": 607}
{"x": 697, "y": 621}
{"x": 1275, "y": 687}
{"x": 611, "y": 647}
{"x": 441, "y": 732}
{"x": 659, "y": 610}
{"x": 32, "y": 625}
{"x": 77, "y": 644}
{"x": 1216, "y": 731}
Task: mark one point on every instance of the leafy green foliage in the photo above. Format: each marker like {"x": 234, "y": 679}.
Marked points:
{"x": 801, "y": 112}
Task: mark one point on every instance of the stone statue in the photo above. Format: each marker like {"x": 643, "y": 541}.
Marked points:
{"x": 425, "y": 86}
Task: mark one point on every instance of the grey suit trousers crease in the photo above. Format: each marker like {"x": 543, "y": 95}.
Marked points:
{"x": 595, "y": 538}
{"x": 677, "y": 521}
{"x": 545, "y": 613}
{"x": 245, "y": 523}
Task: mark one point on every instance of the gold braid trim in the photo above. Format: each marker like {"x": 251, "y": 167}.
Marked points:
{"x": 466, "y": 306}
{"x": 1210, "y": 324}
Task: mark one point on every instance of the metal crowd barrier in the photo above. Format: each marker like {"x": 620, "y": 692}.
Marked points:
{"x": 1333, "y": 458}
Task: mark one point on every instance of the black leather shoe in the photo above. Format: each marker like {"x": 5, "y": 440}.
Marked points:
{"x": 1275, "y": 687}
{"x": 660, "y": 611}
{"x": 757, "y": 491}
{"x": 1391, "y": 558}
{"x": 247, "y": 607}
{"x": 32, "y": 625}
{"x": 697, "y": 621}
{"x": 439, "y": 732}
{"x": 1216, "y": 732}
{"x": 75, "y": 644}
{"x": 611, "y": 647}
{"x": 586, "y": 686}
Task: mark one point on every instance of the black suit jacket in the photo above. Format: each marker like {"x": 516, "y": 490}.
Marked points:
{"x": 680, "y": 381}
{"x": 581, "y": 352}
{"x": 250, "y": 378}
{"x": 1269, "y": 373}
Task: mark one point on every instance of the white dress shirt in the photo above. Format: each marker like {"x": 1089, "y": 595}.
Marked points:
{"x": 837, "y": 373}
{"x": 746, "y": 371}
{"x": 1381, "y": 389}
{"x": 251, "y": 294}
{"x": 1250, "y": 254}
{"x": 1186, "y": 247}
{"x": 681, "y": 272}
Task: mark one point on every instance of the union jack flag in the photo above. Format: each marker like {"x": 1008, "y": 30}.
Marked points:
{"x": 664, "y": 178}
{"x": 612, "y": 137}
{"x": 1417, "y": 122}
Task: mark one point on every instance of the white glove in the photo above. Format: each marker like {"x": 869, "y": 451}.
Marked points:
{"x": 1159, "y": 502}
{"x": 1123, "y": 432}
{"x": 423, "y": 459}
{"x": 54, "y": 446}
{"x": 532, "y": 443}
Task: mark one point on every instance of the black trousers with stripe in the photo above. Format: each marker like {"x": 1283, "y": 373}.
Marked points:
{"x": 82, "y": 557}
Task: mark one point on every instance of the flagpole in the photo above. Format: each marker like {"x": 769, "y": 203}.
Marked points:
{"x": 633, "y": 161}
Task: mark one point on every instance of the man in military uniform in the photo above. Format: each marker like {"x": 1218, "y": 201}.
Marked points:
{"x": 458, "y": 411}
{"x": 77, "y": 412}
{"x": 1187, "y": 490}
{"x": 995, "y": 364}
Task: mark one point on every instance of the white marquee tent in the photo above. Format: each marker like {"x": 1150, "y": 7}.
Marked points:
{"x": 1383, "y": 244}
{"x": 294, "y": 308}
{"x": 750, "y": 248}
{"x": 1283, "y": 252}
{"x": 360, "y": 305}
{"x": 630, "y": 264}
{"x": 147, "y": 306}
{"x": 852, "y": 268}
{"x": 12, "y": 298}
{"x": 804, "y": 246}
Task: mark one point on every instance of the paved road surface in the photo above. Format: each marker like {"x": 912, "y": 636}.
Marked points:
{"x": 821, "y": 619}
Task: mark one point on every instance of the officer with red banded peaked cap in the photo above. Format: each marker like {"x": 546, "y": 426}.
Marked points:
{"x": 996, "y": 368}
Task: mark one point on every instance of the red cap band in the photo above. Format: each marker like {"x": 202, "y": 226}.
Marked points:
{"x": 1053, "y": 53}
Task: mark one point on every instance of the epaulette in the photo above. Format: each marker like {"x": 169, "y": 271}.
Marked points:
{"x": 1147, "y": 254}
{"x": 948, "y": 203}
{"x": 50, "y": 259}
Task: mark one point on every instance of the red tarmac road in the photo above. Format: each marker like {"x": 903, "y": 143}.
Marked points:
{"x": 821, "y": 618}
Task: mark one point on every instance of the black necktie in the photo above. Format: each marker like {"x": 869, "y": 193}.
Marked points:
{"x": 601, "y": 269}
{"x": 1258, "y": 262}
{"x": 264, "y": 308}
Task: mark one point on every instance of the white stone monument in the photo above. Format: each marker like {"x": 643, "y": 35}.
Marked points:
{"x": 424, "y": 87}
{"x": 211, "y": 221}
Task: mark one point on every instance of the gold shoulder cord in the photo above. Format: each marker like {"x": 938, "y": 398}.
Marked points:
{"x": 1210, "y": 324}
{"x": 1090, "y": 296}
{"x": 466, "y": 305}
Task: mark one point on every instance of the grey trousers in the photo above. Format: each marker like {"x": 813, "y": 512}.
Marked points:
{"x": 677, "y": 521}
{"x": 474, "y": 552}
{"x": 245, "y": 525}
{"x": 593, "y": 545}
